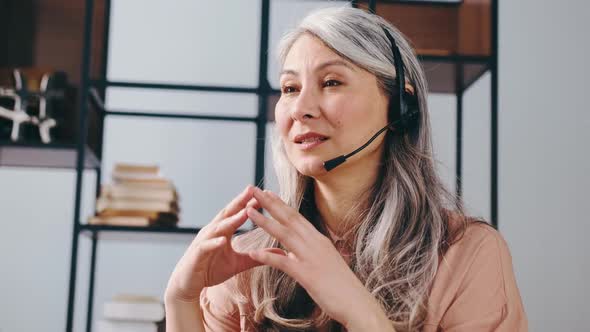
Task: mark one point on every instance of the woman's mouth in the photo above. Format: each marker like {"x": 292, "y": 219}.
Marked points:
{"x": 309, "y": 141}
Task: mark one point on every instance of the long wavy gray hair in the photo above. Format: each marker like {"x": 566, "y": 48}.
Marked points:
{"x": 399, "y": 228}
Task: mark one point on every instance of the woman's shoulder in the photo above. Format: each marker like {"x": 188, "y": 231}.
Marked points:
{"x": 478, "y": 234}
{"x": 473, "y": 239}
{"x": 478, "y": 260}
{"x": 476, "y": 276}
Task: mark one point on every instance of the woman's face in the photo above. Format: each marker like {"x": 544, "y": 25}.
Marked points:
{"x": 328, "y": 107}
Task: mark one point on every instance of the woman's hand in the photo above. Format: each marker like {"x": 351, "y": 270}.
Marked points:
{"x": 210, "y": 258}
{"x": 313, "y": 261}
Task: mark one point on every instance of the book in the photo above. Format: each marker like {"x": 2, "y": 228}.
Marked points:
{"x": 135, "y": 221}
{"x": 138, "y": 213}
{"x": 132, "y": 307}
{"x": 136, "y": 168}
{"x": 134, "y": 176}
{"x": 105, "y": 203}
{"x": 151, "y": 184}
{"x": 138, "y": 196}
{"x": 105, "y": 325}
{"x": 137, "y": 191}
{"x": 139, "y": 173}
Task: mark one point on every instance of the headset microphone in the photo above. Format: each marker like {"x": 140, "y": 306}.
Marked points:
{"x": 333, "y": 163}
{"x": 406, "y": 112}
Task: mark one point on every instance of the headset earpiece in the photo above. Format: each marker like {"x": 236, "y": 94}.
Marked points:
{"x": 403, "y": 107}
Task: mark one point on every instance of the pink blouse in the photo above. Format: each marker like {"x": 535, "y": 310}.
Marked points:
{"x": 474, "y": 290}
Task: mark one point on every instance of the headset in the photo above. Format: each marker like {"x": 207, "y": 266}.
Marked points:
{"x": 404, "y": 111}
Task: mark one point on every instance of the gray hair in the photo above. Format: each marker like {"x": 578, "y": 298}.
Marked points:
{"x": 399, "y": 227}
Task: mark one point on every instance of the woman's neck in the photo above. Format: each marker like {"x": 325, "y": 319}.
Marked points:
{"x": 337, "y": 193}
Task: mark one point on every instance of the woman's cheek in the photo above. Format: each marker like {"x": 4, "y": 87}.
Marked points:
{"x": 281, "y": 121}
{"x": 283, "y": 130}
{"x": 335, "y": 110}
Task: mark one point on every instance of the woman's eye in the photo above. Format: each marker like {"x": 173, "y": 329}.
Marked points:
{"x": 331, "y": 83}
{"x": 288, "y": 89}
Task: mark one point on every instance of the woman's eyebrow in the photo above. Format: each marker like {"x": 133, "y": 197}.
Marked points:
{"x": 321, "y": 66}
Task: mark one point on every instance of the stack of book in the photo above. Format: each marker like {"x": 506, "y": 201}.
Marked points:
{"x": 132, "y": 313}
{"x": 138, "y": 196}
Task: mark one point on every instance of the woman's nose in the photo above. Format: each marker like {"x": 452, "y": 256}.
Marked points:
{"x": 306, "y": 106}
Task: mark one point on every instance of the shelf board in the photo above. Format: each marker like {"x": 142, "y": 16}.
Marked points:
{"x": 453, "y": 73}
{"x": 137, "y": 229}
{"x": 88, "y": 229}
{"x": 53, "y": 155}
{"x": 442, "y": 27}
{"x": 432, "y": 3}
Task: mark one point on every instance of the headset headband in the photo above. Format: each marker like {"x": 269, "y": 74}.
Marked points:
{"x": 400, "y": 80}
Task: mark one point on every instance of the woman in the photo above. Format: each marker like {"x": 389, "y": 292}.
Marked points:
{"x": 376, "y": 244}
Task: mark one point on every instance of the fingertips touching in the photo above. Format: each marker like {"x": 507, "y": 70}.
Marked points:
{"x": 235, "y": 205}
{"x": 259, "y": 194}
{"x": 253, "y": 203}
{"x": 253, "y": 213}
{"x": 230, "y": 224}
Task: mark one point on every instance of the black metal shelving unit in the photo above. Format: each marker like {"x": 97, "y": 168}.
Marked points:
{"x": 466, "y": 69}
{"x": 91, "y": 95}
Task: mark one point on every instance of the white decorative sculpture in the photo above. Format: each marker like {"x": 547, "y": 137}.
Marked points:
{"x": 18, "y": 115}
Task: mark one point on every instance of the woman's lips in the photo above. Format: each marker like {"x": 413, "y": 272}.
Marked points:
{"x": 310, "y": 144}
{"x": 309, "y": 140}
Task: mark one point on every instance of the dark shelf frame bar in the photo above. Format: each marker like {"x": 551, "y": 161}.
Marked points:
{"x": 93, "y": 229}
{"x": 459, "y": 134}
{"x": 168, "y": 86}
{"x": 98, "y": 104}
{"x": 459, "y": 59}
{"x": 96, "y": 230}
{"x": 494, "y": 117}
{"x": 88, "y": 15}
{"x": 264, "y": 91}
{"x": 102, "y": 115}
{"x": 184, "y": 116}
{"x": 91, "y": 282}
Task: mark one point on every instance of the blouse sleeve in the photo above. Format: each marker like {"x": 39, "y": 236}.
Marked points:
{"x": 220, "y": 313}
{"x": 487, "y": 298}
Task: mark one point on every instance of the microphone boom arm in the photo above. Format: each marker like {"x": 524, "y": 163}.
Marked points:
{"x": 333, "y": 163}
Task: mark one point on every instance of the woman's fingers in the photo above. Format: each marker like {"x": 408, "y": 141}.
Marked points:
{"x": 245, "y": 262}
{"x": 274, "y": 257}
{"x": 229, "y": 225}
{"x": 273, "y": 207}
{"x": 238, "y": 203}
{"x": 282, "y": 212}
{"x": 253, "y": 203}
{"x": 275, "y": 229}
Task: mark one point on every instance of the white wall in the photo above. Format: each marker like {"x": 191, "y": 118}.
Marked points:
{"x": 542, "y": 170}
{"x": 544, "y": 157}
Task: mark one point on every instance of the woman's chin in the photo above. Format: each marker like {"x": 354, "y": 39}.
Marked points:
{"x": 311, "y": 167}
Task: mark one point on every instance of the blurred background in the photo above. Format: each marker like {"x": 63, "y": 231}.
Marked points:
{"x": 189, "y": 86}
